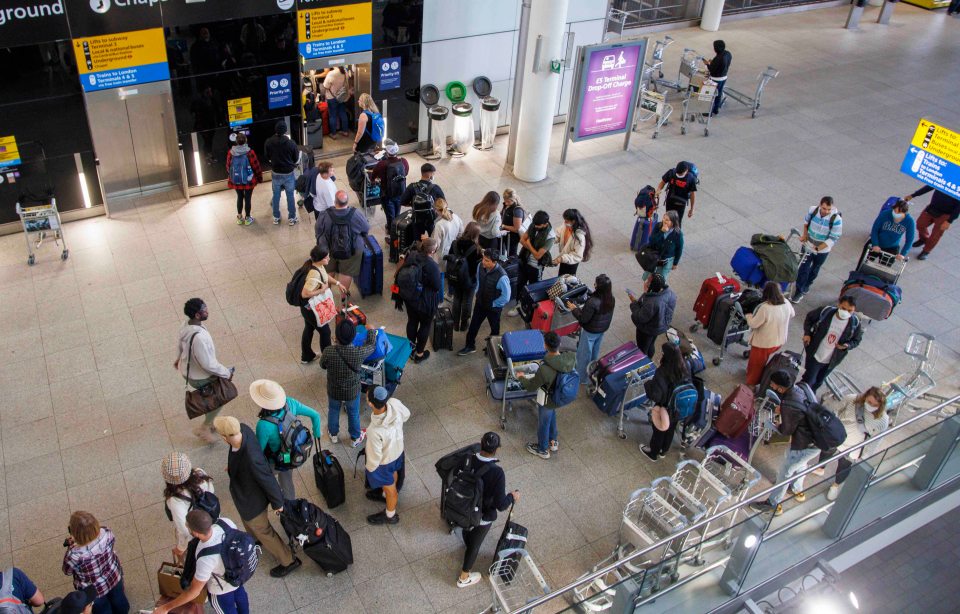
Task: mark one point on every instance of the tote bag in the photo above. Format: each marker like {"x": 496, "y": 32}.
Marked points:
{"x": 323, "y": 306}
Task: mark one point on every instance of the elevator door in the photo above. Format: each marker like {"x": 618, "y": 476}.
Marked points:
{"x": 134, "y": 137}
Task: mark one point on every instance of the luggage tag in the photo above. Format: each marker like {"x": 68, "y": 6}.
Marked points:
{"x": 541, "y": 396}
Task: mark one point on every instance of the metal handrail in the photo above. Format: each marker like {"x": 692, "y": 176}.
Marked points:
{"x": 529, "y": 607}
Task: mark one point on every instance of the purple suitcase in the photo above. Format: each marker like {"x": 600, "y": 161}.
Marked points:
{"x": 609, "y": 360}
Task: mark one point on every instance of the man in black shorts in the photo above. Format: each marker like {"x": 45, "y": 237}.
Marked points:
{"x": 681, "y": 186}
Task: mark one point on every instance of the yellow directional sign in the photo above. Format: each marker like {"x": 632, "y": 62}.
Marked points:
{"x": 9, "y": 154}
{"x": 939, "y": 141}
{"x": 240, "y": 111}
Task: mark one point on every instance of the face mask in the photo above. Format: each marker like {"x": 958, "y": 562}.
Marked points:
{"x": 842, "y": 314}
{"x": 568, "y": 224}
{"x": 871, "y": 406}
{"x": 899, "y": 216}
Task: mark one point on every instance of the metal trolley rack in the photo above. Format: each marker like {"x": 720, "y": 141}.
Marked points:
{"x": 635, "y": 394}
{"x": 515, "y": 581}
{"x": 882, "y": 264}
{"x": 506, "y": 390}
{"x": 698, "y": 102}
{"x": 751, "y": 101}
{"x": 39, "y": 221}
{"x": 36, "y": 203}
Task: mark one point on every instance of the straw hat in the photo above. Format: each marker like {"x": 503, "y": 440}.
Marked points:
{"x": 268, "y": 394}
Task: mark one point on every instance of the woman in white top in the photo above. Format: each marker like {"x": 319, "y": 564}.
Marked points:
{"x": 446, "y": 229}
{"x": 333, "y": 84}
{"x": 486, "y": 214}
{"x": 183, "y": 485}
{"x": 325, "y": 192}
{"x": 870, "y": 410}
{"x": 576, "y": 243}
{"x": 768, "y": 330}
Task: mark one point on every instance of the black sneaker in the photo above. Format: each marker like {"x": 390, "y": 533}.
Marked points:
{"x": 280, "y": 571}
{"x": 923, "y": 255}
{"x": 381, "y": 518}
{"x": 421, "y": 357}
{"x": 918, "y": 243}
{"x": 648, "y": 452}
{"x": 466, "y": 351}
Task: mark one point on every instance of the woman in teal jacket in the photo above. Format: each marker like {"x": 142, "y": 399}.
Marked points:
{"x": 668, "y": 241}
{"x": 273, "y": 402}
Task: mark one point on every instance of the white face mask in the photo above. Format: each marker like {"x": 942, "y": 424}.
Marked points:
{"x": 568, "y": 224}
{"x": 842, "y": 314}
{"x": 899, "y": 216}
{"x": 869, "y": 405}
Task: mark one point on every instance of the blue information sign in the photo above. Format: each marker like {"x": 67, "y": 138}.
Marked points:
{"x": 279, "y": 91}
{"x": 389, "y": 73}
{"x": 932, "y": 170}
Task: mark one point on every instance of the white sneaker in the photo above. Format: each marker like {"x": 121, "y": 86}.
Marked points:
{"x": 359, "y": 440}
{"x": 293, "y": 221}
{"x": 513, "y": 313}
{"x": 473, "y": 578}
{"x": 554, "y": 445}
{"x": 833, "y": 492}
{"x": 334, "y": 439}
{"x": 276, "y": 221}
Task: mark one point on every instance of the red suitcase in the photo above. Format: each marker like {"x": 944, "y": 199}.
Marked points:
{"x": 736, "y": 412}
{"x": 546, "y": 318}
{"x": 710, "y": 290}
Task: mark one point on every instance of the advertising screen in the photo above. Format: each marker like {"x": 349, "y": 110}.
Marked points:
{"x": 610, "y": 78}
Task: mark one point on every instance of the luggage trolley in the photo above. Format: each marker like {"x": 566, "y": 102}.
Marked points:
{"x": 38, "y": 221}
{"x": 699, "y": 97}
{"x": 635, "y": 394}
{"x": 369, "y": 194}
{"x": 515, "y": 581}
{"x": 506, "y": 390}
{"x": 689, "y": 65}
{"x": 753, "y": 102}
{"x": 884, "y": 265}
{"x": 801, "y": 250}
{"x": 655, "y": 65}
{"x": 36, "y": 203}
{"x": 734, "y": 333}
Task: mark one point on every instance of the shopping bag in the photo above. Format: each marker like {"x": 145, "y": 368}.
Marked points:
{"x": 168, "y": 580}
{"x": 323, "y": 306}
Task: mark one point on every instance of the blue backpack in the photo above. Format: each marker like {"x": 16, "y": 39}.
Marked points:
{"x": 241, "y": 173}
{"x": 683, "y": 401}
{"x": 375, "y": 126}
{"x": 239, "y": 552}
{"x": 565, "y": 388}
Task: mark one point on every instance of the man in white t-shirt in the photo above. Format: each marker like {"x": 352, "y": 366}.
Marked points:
{"x": 224, "y": 597}
{"x": 325, "y": 191}
{"x": 828, "y": 334}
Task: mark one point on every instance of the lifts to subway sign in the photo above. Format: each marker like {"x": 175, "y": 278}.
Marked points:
{"x": 335, "y": 30}
{"x": 119, "y": 60}
{"x": 934, "y": 157}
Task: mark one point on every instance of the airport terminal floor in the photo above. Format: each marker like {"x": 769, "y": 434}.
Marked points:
{"x": 91, "y": 403}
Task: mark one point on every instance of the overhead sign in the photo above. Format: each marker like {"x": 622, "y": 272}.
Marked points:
{"x": 9, "y": 154}
{"x": 934, "y": 157}
{"x": 240, "y": 112}
{"x": 119, "y": 60}
{"x": 189, "y": 12}
{"x": 335, "y": 30}
{"x": 610, "y": 76}
{"x": 96, "y": 17}
{"x": 279, "y": 91}
{"x": 28, "y": 22}
{"x": 390, "y": 73}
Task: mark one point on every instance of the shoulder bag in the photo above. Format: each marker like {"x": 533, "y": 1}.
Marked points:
{"x": 213, "y": 396}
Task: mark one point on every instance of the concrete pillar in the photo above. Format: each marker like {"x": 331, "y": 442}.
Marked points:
{"x": 538, "y": 103}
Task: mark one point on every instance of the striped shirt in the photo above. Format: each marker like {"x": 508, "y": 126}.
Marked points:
{"x": 820, "y": 229}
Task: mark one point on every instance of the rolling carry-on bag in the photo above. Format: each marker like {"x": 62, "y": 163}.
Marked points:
{"x": 872, "y": 302}
{"x": 512, "y": 268}
{"x": 642, "y": 231}
{"x": 443, "y": 329}
{"x": 514, "y": 535}
{"x": 786, "y": 361}
{"x": 720, "y": 319}
{"x": 531, "y": 294}
{"x": 318, "y": 534}
{"x": 748, "y": 266}
{"x": 547, "y": 317}
{"x": 736, "y": 412}
{"x": 710, "y": 290}
{"x": 609, "y": 360}
{"x": 523, "y": 345}
{"x": 495, "y": 357}
{"x": 609, "y": 376}
{"x": 371, "y": 268}
{"x": 328, "y": 475}
{"x": 401, "y": 235}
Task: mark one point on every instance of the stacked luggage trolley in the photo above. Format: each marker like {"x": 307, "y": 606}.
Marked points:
{"x": 696, "y": 489}
{"x": 515, "y": 581}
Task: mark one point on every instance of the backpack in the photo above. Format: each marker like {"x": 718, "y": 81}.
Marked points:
{"x": 828, "y": 431}
{"x": 422, "y": 203}
{"x": 340, "y": 241}
{"x": 458, "y": 267}
{"x": 646, "y": 200}
{"x": 683, "y": 401}
{"x": 833, "y": 219}
{"x": 206, "y": 501}
{"x": 296, "y": 442}
{"x": 8, "y": 603}
{"x": 463, "y": 497}
{"x": 375, "y": 126}
{"x": 396, "y": 180}
{"x": 565, "y": 388}
{"x": 693, "y": 171}
{"x": 356, "y": 172}
{"x": 294, "y": 292}
{"x": 241, "y": 173}
{"x": 410, "y": 281}
{"x": 240, "y": 554}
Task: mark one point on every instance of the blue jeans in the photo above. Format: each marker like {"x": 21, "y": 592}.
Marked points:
{"x": 234, "y": 602}
{"x": 353, "y": 416}
{"x": 588, "y": 350}
{"x": 337, "y": 115}
{"x": 795, "y": 462}
{"x": 114, "y": 602}
{"x": 814, "y": 373}
{"x": 719, "y": 99}
{"x": 808, "y": 272}
{"x": 285, "y": 182}
{"x": 664, "y": 269}
{"x": 391, "y": 209}
{"x": 546, "y": 427}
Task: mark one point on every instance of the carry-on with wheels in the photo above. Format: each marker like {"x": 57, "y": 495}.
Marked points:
{"x": 748, "y": 266}
{"x": 514, "y": 535}
{"x": 876, "y": 299}
{"x": 318, "y": 534}
{"x": 710, "y": 290}
{"x": 643, "y": 231}
{"x": 371, "y": 268}
{"x": 531, "y": 294}
{"x": 720, "y": 319}
{"x": 443, "y": 329}
{"x": 786, "y": 361}
{"x": 328, "y": 475}
{"x": 512, "y": 268}
{"x": 402, "y": 235}
{"x": 553, "y": 315}
{"x": 495, "y": 357}
{"x": 736, "y": 412}
{"x": 523, "y": 345}
{"x": 609, "y": 377}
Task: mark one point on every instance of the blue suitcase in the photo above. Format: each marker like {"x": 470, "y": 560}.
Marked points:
{"x": 642, "y": 231}
{"x": 748, "y": 266}
{"x": 610, "y": 393}
{"x": 530, "y": 295}
{"x": 371, "y": 268}
{"x": 523, "y": 345}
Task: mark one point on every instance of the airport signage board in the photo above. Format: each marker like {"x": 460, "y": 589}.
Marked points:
{"x": 609, "y": 84}
{"x": 121, "y": 60}
{"x": 334, "y": 28}
{"x": 933, "y": 157}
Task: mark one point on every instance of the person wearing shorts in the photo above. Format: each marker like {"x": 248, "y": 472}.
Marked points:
{"x": 345, "y": 269}
{"x": 384, "y": 450}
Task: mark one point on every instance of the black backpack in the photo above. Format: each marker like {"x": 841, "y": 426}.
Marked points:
{"x": 410, "y": 281}
{"x": 356, "y": 172}
{"x": 463, "y": 497}
{"x": 296, "y": 442}
{"x": 340, "y": 241}
{"x": 206, "y": 501}
{"x": 828, "y": 432}
{"x": 458, "y": 267}
{"x": 395, "y": 180}
{"x": 294, "y": 292}
{"x": 239, "y": 551}
{"x": 646, "y": 200}
{"x": 422, "y": 203}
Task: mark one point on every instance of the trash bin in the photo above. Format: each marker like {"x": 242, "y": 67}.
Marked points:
{"x": 463, "y": 129}
{"x": 710, "y": 18}
{"x": 489, "y": 118}
{"x": 438, "y": 129}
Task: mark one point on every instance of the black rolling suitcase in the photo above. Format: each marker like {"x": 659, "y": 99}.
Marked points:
{"x": 319, "y": 534}
{"x": 443, "y": 329}
{"x": 512, "y": 267}
{"x": 786, "y": 361}
{"x": 328, "y": 474}
{"x": 401, "y": 235}
{"x": 498, "y": 362}
{"x": 720, "y": 317}
{"x": 514, "y": 535}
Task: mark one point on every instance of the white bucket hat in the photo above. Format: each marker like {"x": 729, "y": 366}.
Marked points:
{"x": 268, "y": 394}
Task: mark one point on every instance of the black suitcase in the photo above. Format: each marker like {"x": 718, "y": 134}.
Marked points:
{"x": 318, "y": 534}
{"x": 512, "y": 267}
{"x": 443, "y": 329}
{"x": 498, "y": 362}
{"x": 401, "y": 235}
{"x": 720, "y": 319}
{"x": 781, "y": 361}
{"x": 531, "y": 294}
{"x": 328, "y": 474}
{"x": 514, "y": 535}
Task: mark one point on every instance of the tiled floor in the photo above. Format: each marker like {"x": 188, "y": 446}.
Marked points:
{"x": 91, "y": 402}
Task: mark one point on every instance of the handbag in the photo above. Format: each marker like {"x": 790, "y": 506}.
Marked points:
{"x": 648, "y": 258}
{"x": 204, "y": 400}
{"x": 660, "y": 418}
{"x": 343, "y": 94}
{"x": 324, "y": 307}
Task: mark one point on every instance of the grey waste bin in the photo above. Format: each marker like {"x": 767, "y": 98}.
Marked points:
{"x": 489, "y": 118}
{"x": 438, "y": 129}
{"x": 463, "y": 130}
